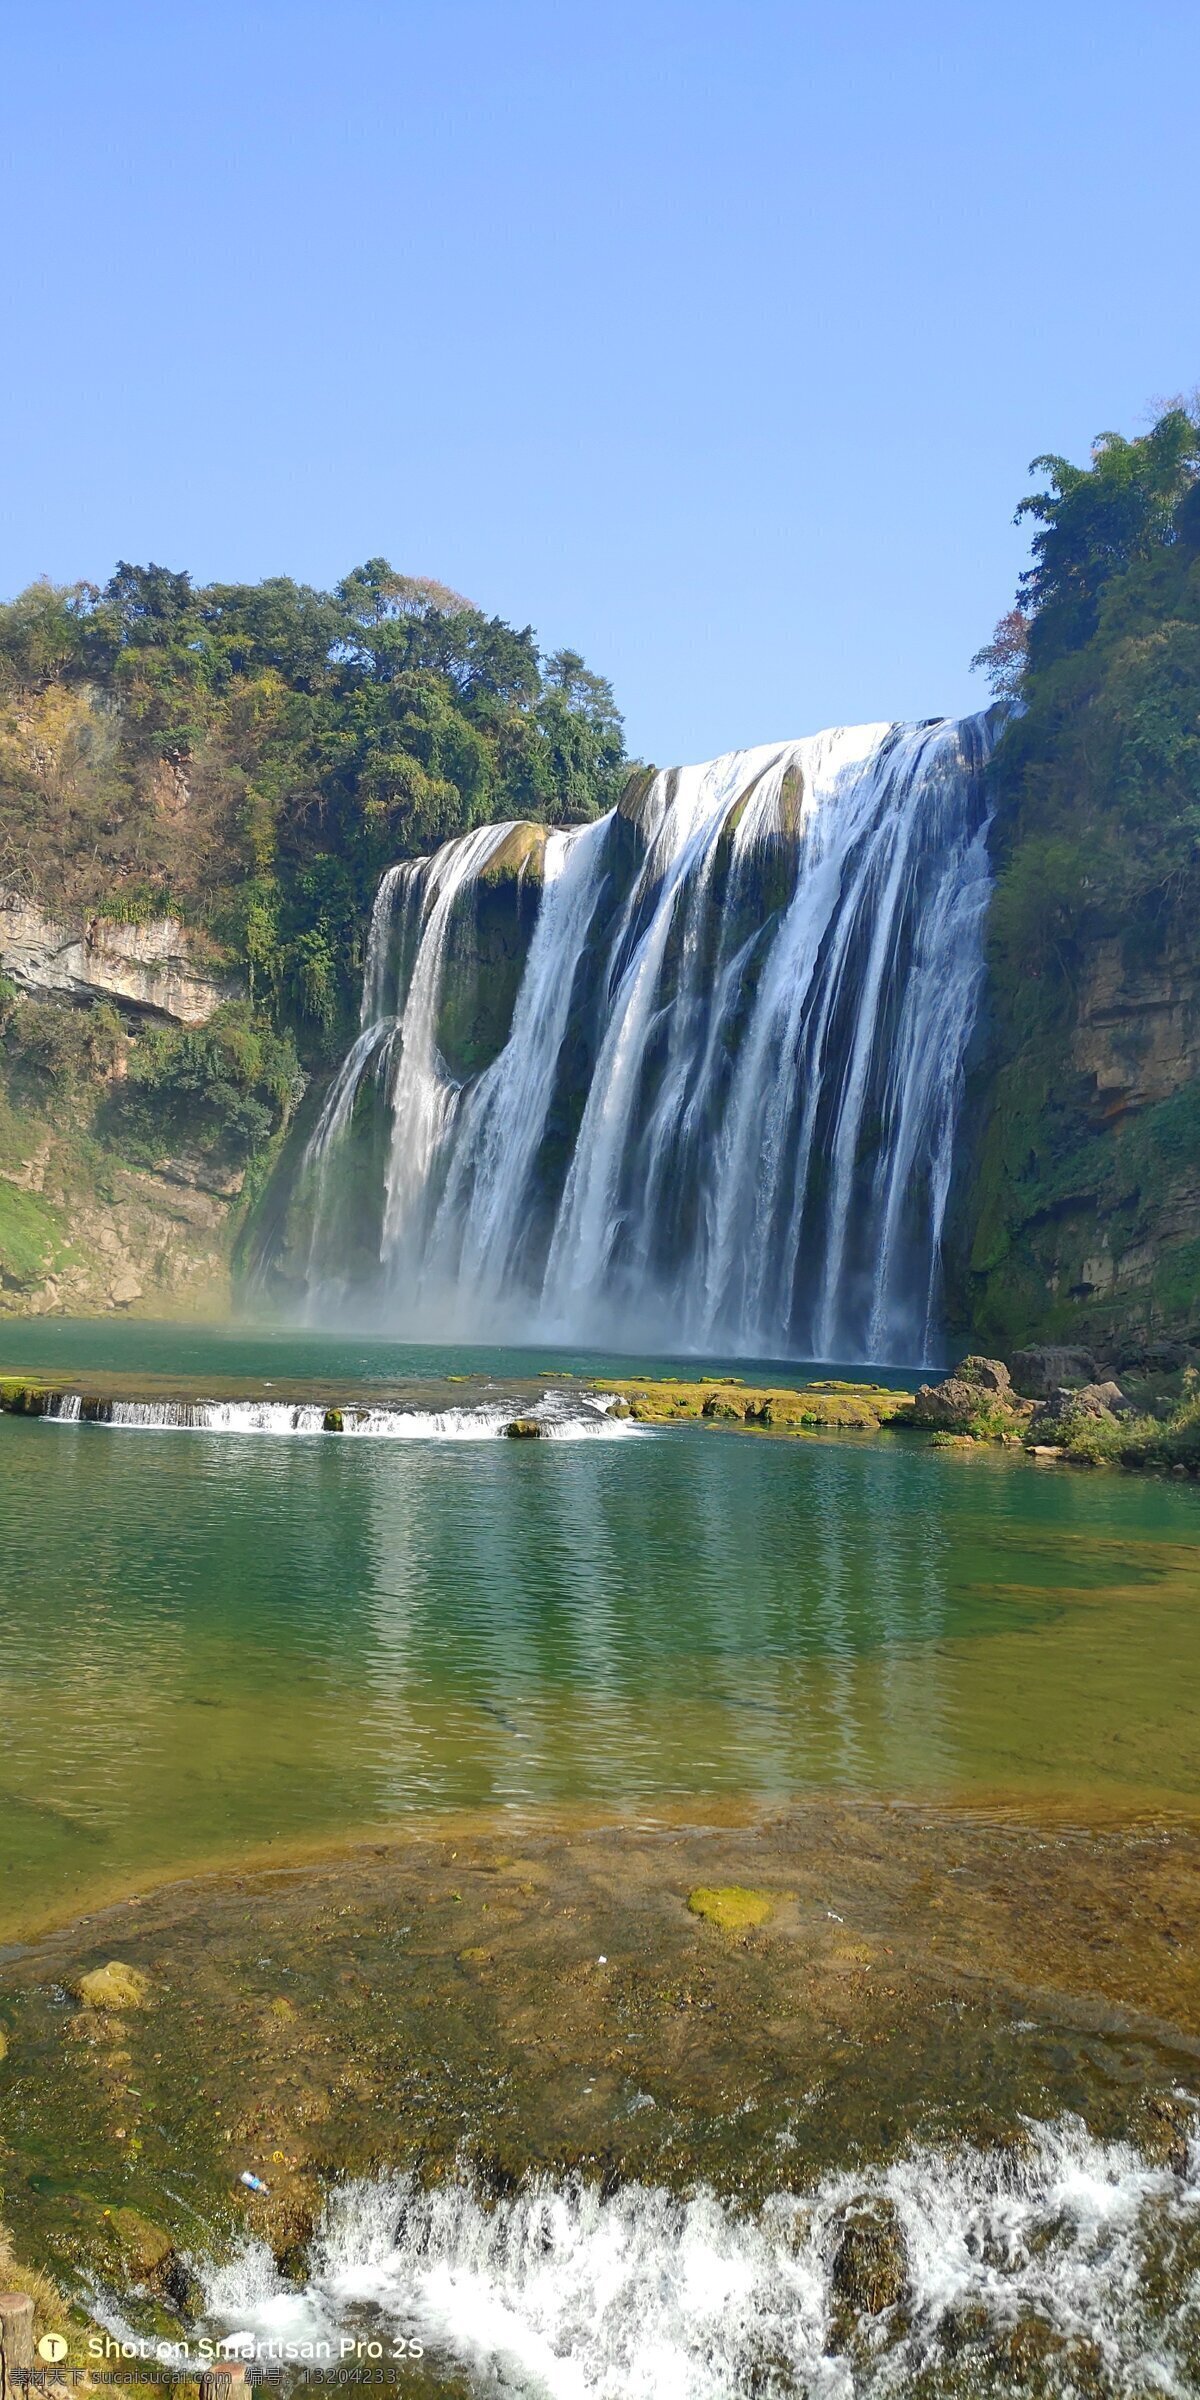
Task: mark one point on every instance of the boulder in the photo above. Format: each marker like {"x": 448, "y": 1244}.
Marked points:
{"x": 115, "y": 1986}
{"x": 1136, "y": 1357}
{"x": 1038, "y": 1372}
{"x": 949, "y": 1407}
{"x": 987, "y": 1374}
{"x": 1089, "y": 1400}
{"x": 525, "y": 1429}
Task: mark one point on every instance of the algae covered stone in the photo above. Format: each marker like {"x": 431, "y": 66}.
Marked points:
{"x": 868, "y": 2270}
{"x": 734, "y": 1907}
{"x": 115, "y": 1986}
{"x": 146, "y": 2247}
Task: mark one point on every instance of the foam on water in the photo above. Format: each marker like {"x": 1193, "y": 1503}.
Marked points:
{"x": 558, "y": 1419}
{"x": 562, "y": 2293}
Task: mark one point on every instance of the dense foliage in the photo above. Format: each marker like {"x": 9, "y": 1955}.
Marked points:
{"x": 250, "y": 756}
{"x": 1097, "y": 783}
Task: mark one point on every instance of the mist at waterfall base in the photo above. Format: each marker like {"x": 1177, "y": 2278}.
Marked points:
{"x": 720, "y": 1117}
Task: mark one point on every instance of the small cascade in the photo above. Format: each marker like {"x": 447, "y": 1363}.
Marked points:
{"x": 554, "y": 1417}
{"x": 720, "y": 1114}
{"x": 1061, "y": 2249}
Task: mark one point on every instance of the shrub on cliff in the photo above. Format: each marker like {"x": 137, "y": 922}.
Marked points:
{"x": 223, "y": 1087}
{"x": 1097, "y": 841}
{"x": 251, "y": 756}
{"x": 52, "y": 1048}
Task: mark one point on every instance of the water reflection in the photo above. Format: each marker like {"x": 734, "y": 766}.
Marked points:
{"x": 209, "y": 1643}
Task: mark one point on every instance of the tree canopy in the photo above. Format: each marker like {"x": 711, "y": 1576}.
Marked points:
{"x": 251, "y": 756}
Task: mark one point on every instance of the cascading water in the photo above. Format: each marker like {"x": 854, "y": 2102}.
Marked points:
{"x": 721, "y": 1112}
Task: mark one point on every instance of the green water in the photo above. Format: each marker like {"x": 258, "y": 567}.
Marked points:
{"x": 266, "y": 1353}
{"x": 214, "y": 1643}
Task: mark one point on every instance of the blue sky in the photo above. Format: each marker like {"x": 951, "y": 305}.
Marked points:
{"x": 712, "y": 339}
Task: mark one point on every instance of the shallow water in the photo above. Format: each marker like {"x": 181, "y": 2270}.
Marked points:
{"x": 217, "y": 1644}
{"x": 563, "y": 2293}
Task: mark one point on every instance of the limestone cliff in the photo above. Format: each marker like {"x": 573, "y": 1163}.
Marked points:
{"x": 84, "y": 1236}
{"x": 154, "y": 966}
{"x": 1085, "y": 1179}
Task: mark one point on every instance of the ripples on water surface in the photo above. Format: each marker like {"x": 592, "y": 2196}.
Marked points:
{"x": 223, "y": 1642}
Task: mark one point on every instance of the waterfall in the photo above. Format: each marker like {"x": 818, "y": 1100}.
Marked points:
{"x": 720, "y": 1113}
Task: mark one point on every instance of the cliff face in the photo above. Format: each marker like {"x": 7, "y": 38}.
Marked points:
{"x": 151, "y": 966}
{"x": 1080, "y": 1191}
{"x": 85, "y": 1237}
{"x": 94, "y": 1220}
{"x": 1083, "y": 1208}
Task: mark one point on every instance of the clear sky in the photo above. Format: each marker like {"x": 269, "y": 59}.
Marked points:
{"x": 712, "y": 339}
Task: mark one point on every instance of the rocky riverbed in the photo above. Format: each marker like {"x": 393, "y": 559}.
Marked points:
{"x": 780, "y": 2014}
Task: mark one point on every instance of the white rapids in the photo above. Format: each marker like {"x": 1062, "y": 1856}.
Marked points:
{"x": 559, "y": 2293}
{"x": 581, "y": 1419}
{"x": 724, "y": 1117}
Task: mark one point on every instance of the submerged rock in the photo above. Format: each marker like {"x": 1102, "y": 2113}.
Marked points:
{"x": 732, "y": 1906}
{"x": 145, "y": 2247}
{"x": 1166, "y": 2128}
{"x": 869, "y": 2269}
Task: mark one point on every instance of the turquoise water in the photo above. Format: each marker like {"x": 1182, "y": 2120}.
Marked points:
{"x": 216, "y": 1644}
{"x": 63, "y": 1346}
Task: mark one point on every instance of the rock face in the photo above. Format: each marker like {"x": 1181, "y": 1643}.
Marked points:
{"x": 151, "y": 967}
{"x": 487, "y": 947}
{"x": 154, "y": 1241}
{"x": 1080, "y": 1209}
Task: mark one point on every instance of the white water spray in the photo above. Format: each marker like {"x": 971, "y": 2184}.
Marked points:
{"x": 560, "y": 2293}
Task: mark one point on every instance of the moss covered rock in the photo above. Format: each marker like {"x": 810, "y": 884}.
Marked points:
{"x": 733, "y": 1907}
{"x": 115, "y": 1986}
